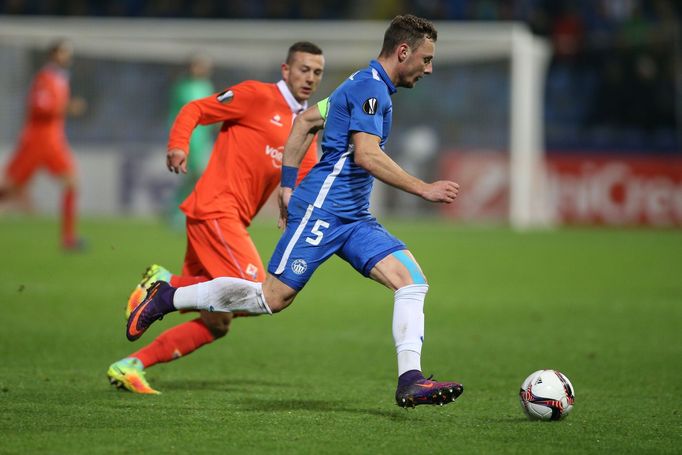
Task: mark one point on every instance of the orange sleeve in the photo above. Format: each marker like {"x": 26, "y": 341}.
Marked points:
{"x": 227, "y": 106}
{"x": 309, "y": 160}
{"x": 44, "y": 100}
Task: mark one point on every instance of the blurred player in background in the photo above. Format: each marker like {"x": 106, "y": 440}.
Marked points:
{"x": 243, "y": 171}
{"x": 194, "y": 85}
{"x": 43, "y": 142}
{"x": 329, "y": 212}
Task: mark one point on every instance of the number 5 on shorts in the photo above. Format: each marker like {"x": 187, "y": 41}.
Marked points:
{"x": 316, "y": 230}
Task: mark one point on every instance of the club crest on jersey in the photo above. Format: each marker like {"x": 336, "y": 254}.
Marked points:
{"x": 370, "y": 106}
{"x": 225, "y": 97}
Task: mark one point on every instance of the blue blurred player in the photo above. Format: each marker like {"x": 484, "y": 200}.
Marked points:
{"x": 329, "y": 212}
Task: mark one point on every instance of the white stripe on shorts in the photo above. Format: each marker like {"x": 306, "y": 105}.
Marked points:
{"x": 294, "y": 239}
{"x": 331, "y": 177}
{"x": 216, "y": 226}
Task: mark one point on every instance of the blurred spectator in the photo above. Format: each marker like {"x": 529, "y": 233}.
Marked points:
{"x": 567, "y": 32}
{"x": 608, "y": 106}
{"x": 636, "y": 30}
{"x": 650, "y": 104}
{"x": 618, "y": 10}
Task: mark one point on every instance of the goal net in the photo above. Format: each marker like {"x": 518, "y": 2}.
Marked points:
{"x": 477, "y": 119}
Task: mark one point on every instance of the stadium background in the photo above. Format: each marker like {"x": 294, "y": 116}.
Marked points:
{"x": 612, "y": 103}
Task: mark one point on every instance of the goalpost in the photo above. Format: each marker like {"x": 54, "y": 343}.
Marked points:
{"x": 255, "y": 49}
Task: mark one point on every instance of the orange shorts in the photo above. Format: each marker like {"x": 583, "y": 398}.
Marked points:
{"x": 221, "y": 247}
{"x": 33, "y": 155}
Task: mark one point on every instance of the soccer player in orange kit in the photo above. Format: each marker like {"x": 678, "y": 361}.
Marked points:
{"x": 243, "y": 171}
{"x": 43, "y": 140}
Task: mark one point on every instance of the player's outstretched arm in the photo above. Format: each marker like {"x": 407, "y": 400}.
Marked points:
{"x": 303, "y": 131}
{"x": 369, "y": 156}
{"x": 203, "y": 111}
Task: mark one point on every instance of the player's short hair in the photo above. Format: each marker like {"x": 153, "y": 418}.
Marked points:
{"x": 408, "y": 29}
{"x": 303, "y": 46}
{"x": 57, "y": 45}
{"x": 198, "y": 57}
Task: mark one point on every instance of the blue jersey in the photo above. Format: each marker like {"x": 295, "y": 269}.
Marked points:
{"x": 336, "y": 184}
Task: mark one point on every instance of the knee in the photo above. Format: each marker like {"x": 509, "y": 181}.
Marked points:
{"x": 275, "y": 304}
{"x": 410, "y": 280}
{"x": 405, "y": 279}
{"x": 70, "y": 182}
{"x": 218, "y": 326}
{"x": 278, "y": 302}
{"x": 219, "y": 331}
{"x": 8, "y": 189}
{"x": 277, "y": 295}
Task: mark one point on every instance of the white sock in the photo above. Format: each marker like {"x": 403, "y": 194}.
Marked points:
{"x": 229, "y": 295}
{"x": 408, "y": 326}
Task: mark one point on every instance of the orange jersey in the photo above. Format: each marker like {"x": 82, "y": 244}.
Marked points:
{"x": 48, "y": 100}
{"x": 245, "y": 165}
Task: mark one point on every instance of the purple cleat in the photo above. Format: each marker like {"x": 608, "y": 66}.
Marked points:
{"x": 157, "y": 303}
{"x": 414, "y": 389}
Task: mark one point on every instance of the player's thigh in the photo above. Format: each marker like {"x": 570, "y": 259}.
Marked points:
{"x": 239, "y": 247}
{"x": 22, "y": 166}
{"x": 191, "y": 265}
{"x": 310, "y": 238}
{"x": 61, "y": 163}
{"x": 376, "y": 253}
{"x": 224, "y": 247}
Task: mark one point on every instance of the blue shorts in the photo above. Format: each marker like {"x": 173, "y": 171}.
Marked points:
{"x": 313, "y": 235}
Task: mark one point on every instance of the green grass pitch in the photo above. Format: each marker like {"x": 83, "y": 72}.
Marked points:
{"x": 603, "y": 306}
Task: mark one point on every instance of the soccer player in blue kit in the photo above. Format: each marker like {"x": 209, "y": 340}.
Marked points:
{"x": 329, "y": 212}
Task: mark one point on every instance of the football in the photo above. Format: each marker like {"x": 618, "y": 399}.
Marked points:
{"x": 547, "y": 395}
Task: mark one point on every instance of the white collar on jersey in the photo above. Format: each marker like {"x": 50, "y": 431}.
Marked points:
{"x": 61, "y": 71}
{"x": 294, "y": 105}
